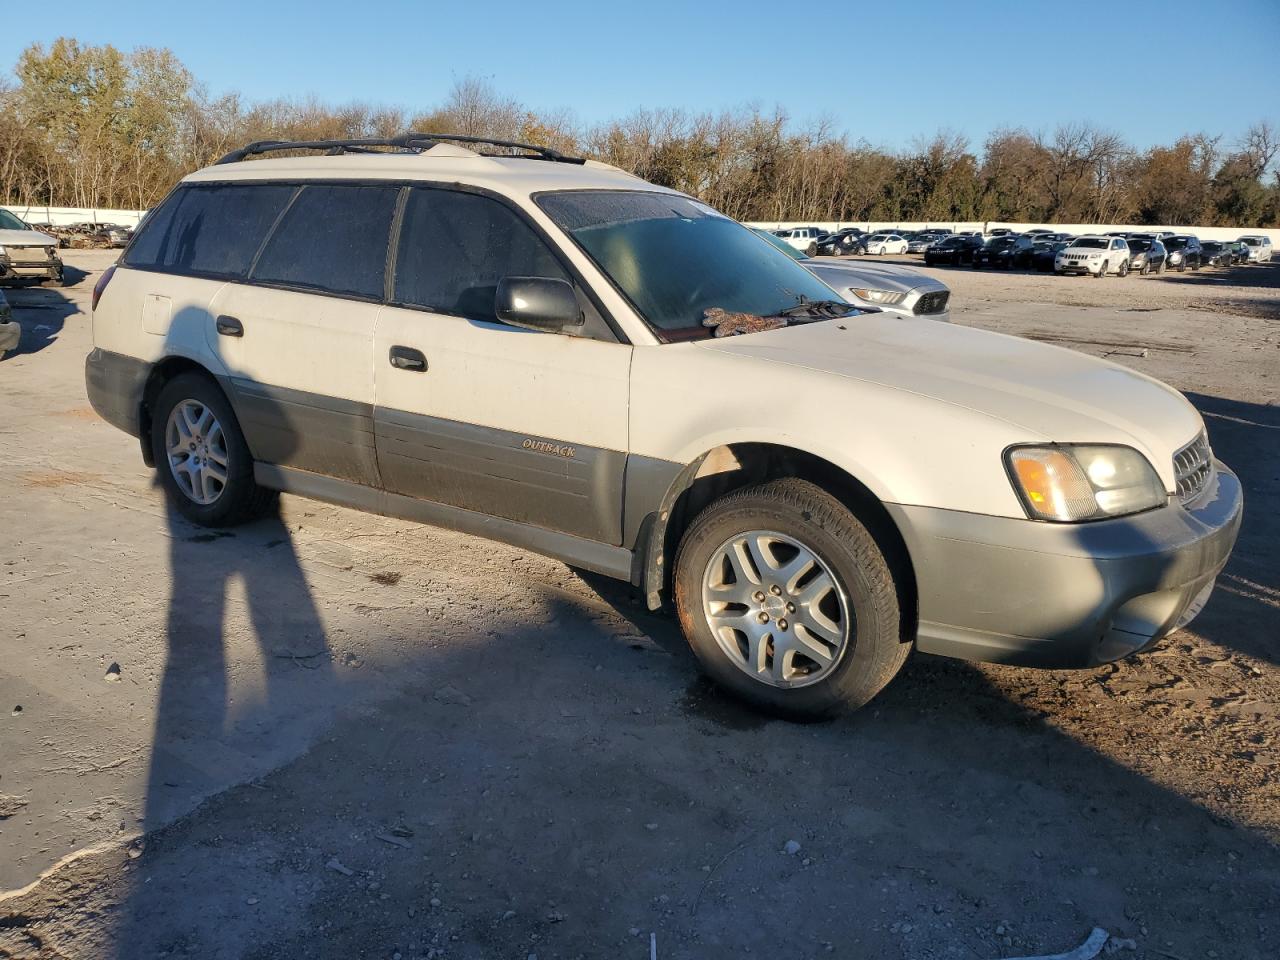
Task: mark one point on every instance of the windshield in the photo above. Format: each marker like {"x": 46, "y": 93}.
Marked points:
{"x": 999, "y": 243}
{"x": 1091, "y": 243}
{"x": 9, "y": 222}
{"x": 1253, "y": 241}
{"x": 1175, "y": 243}
{"x": 1138, "y": 246}
{"x": 675, "y": 258}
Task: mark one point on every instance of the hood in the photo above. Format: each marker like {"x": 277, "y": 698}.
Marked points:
{"x": 1049, "y": 393}
{"x": 844, "y": 274}
{"x": 26, "y": 238}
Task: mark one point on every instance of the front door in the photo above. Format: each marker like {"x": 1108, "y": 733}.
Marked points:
{"x": 524, "y": 425}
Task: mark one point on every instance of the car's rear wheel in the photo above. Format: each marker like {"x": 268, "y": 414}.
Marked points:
{"x": 203, "y": 461}
{"x": 788, "y": 601}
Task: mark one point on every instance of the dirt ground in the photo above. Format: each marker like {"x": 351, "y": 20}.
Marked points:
{"x": 333, "y": 735}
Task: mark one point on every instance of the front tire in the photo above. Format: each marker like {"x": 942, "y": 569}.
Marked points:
{"x": 1124, "y": 269}
{"x": 812, "y": 250}
{"x": 788, "y": 601}
{"x": 203, "y": 461}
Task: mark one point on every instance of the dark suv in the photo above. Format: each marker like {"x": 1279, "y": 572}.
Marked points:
{"x": 1184, "y": 251}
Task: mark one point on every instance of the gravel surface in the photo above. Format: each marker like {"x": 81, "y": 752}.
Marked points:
{"x": 335, "y": 735}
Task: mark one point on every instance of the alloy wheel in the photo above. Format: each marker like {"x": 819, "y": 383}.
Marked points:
{"x": 777, "y": 611}
{"x": 196, "y": 448}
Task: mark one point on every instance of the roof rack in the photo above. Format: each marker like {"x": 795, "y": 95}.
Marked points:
{"x": 405, "y": 142}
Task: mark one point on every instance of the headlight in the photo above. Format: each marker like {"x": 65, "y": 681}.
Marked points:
{"x": 1072, "y": 483}
{"x": 1175, "y": 256}
{"x": 878, "y": 296}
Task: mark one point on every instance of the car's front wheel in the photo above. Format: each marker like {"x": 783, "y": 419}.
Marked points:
{"x": 204, "y": 463}
{"x": 788, "y": 601}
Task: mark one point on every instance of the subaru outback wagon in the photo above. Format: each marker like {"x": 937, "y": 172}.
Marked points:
{"x": 552, "y": 353}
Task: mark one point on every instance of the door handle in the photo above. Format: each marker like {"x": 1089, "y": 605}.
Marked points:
{"x": 229, "y": 327}
{"x": 407, "y": 358}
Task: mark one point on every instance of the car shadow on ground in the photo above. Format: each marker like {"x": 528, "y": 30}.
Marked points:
{"x": 533, "y": 808}
{"x": 41, "y": 310}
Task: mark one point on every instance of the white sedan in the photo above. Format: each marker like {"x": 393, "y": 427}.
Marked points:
{"x": 886, "y": 243}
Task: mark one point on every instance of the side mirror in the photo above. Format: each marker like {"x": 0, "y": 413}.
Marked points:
{"x": 537, "y": 303}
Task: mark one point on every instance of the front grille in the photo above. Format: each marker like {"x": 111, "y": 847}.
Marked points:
{"x": 934, "y": 302}
{"x": 1193, "y": 467}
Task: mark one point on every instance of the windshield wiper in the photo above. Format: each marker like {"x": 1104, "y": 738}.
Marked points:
{"x": 818, "y": 309}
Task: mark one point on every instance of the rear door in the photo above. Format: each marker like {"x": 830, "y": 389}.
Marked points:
{"x": 470, "y": 412}
{"x": 297, "y": 338}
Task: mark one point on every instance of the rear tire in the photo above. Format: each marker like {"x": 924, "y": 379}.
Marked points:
{"x": 195, "y": 436}
{"x": 813, "y": 561}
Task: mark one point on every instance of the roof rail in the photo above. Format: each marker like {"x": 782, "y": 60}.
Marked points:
{"x": 404, "y": 142}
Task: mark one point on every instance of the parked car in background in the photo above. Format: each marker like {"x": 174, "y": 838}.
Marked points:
{"x": 920, "y": 243}
{"x": 803, "y": 238}
{"x": 954, "y": 250}
{"x": 27, "y": 254}
{"x": 1215, "y": 253}
{"x": 883, "y": 286}
{"x": 1000, "y": 232}
{"x": 882, "y": 243}
{"x": 1045, "y": 252}
{"x": 1184, "y": 251}
{"x": 1095, "y": 254}
{"x": 1036, "y": 232}
{"x": 1239, "y": 251}
{"x": 1146, "y": 255}
{"x": 1008, "y": 252}
{"x": 1259, "y": 247}
{"x": 114, "y": 235}
{"x": 10, "y": 332}
{"x": 844, "y": 242}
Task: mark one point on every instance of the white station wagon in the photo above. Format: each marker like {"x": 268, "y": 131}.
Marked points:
{"x": 558, "y": 355}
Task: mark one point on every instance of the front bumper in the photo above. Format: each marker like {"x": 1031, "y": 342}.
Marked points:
{"x": 1038, "y": 594}
{"x": 22, "y": 264}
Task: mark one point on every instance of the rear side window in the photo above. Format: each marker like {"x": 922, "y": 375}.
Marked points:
{"x": 455, "y": 248}
{"x": 214, "y": 230}
{"x": 334, "y": 238}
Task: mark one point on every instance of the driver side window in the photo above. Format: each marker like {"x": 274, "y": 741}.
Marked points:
{"x": 455, "y": 247}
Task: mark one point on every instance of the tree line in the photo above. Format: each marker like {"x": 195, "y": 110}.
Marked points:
{"x": 94, "y": 126}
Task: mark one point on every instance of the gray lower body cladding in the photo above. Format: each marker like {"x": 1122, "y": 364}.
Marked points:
{"x": 612, "y": 561}
{"x": 557, "y": 485}
{"x": 115, "y": 385}
{"x": 1065, "y": 595}
{"x": 308, "y": 431}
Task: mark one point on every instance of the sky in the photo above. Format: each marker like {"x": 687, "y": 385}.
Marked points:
{"x": 886, "y": 72}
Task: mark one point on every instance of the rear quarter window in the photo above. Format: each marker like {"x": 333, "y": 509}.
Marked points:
{"x": 213, "y": 230}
